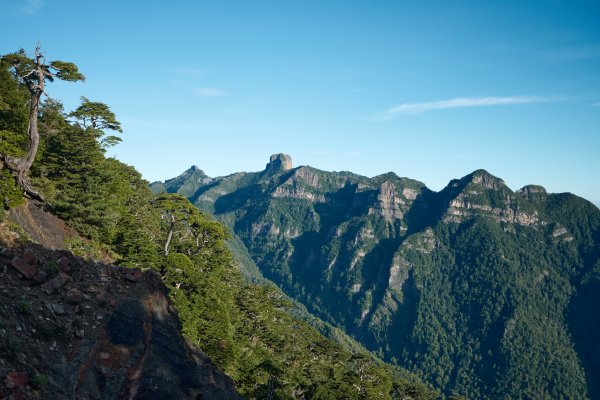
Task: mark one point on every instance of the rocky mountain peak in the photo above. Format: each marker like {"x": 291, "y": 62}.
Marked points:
{"x": 279, "y": 162}
{"x": 185, "y": 184}
{"x": 194, "y": 170}
{"x": 485, "y": 179}
{"x": 532, "y": 192}
{"x": 481, "y": 193}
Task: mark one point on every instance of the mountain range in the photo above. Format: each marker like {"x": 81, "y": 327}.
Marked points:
{"x": 481, "y": 290}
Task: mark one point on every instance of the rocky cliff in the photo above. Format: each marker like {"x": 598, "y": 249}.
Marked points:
{"x": 77, "y": 329}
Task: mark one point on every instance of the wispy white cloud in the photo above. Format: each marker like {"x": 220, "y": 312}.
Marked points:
{"x": 459, "y": 102}
{"x": 596, "y": 104}
{"x": 210, "y": 92}
{"x": 32, "y": 6}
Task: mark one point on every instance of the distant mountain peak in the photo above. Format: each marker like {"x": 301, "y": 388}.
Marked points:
{"x": 194, "y": 171}
{"x": 485, "y": 179}
{"x": 279, "y": 162}
{"x": 532, "y": 191}
{"x": 185, "y": 184}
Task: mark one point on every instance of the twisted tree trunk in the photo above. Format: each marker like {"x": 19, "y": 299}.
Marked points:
{"x": 32, "y": 73}
{"x": 20, "y": 166}
{"x": 25, "y": 163}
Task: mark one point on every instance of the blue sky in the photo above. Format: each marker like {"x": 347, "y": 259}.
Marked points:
{"x": 431, "y": 90}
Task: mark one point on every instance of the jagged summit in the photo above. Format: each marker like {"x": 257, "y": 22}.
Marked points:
{"x": 485, "y": 179}
{"x": 532, "y": 191}
{"x": 476, "y": 180}
{"x": 194, "y": 170}
{"x": 279, "y": 162}
{"x": 185, "y": 184}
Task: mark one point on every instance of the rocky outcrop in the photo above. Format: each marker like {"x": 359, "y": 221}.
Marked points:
{"x": 41, "y": 226}
{"x": 279, "y": 162}
{"x": 389, "y": 204}
{"x": 303, "y": 183}
{"x": 482, "y": 194}
{"x": 75, "y": 329}
{"x": 463, "y": 207}
{"x": 296, "y": 191}
{"x": 486, "y": 180}
{"x": 532, "y": 192}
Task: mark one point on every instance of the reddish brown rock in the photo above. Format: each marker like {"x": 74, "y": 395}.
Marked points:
{"x": 63, "y": 264}
{"x": 140, "y": 351}
{"x": 16, "y": 380}
{"x": 132, "y": 274}
{"x": 40, "y": 277}
{"x": 105, "y": 298}
{"x": 74, "y": 296}
{"x": 23, "y": 267}
{"x": 55, "y": 282}
{"x": 29, "y": 257}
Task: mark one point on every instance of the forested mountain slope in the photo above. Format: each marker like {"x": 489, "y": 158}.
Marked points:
{"x": 144, "y": 286}
{"x": 481, "y": 290}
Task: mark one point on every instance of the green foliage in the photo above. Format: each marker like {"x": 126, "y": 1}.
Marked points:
{"x": 105, "y": 200}
{"x": 13, "y": 345}
{"x": 14, "y": 100}
{"x": 19, "y": 61}
{"x": 95, "y": 117}
{"x": 39, "y": 381}
{"x": 52, "y": 269}
{"x": 23, "y": 66}
{"x": 10, "y": 193}
{"x": 247, "y": 330}
{"x": 203, "y": 306}
{"x": 66, "y": 71}
{"x": 23, "y": 307}
{"x": 286, "y": 355}
{"x": 85, "y": 248}
{"x": 187, "y": 229}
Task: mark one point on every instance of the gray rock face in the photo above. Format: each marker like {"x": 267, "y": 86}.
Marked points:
{"x": 141, "y": 353}
{"x": 532, "y": 192}
{"x": 279, "y": 162}
{"x": 101, "y": 332}
{"x": 41, "y": 226}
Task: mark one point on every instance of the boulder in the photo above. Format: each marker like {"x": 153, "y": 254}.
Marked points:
{"x": 29, "y": 256}
{"x": 16, "y": 380}
{"x": 55, "y": 282}
{"x": 26, "y": 269}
